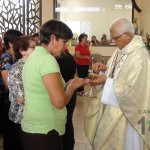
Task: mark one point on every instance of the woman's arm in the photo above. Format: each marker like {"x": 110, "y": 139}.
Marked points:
{"x": 78, "y": 55}
{"x": 53, "y": 83}
{"x": 4, "y": 74}
{"x": 15, "y": 83}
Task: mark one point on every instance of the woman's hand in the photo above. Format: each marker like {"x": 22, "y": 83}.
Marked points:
{"x": 77, "y": 82}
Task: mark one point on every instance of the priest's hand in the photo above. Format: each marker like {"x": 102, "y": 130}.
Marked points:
{"x": 99, "y": 67}
{"x": 96, "y": 79}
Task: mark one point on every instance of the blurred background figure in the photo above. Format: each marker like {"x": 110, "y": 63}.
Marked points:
{"x": 6, "y": 61}
{"x": 82, "y": 55}
{"x": 3, "y": 33}
{"x": 1, "y": 46}
{"x": 67, "y": 62}
{"x": 104, "y": 40}
{"x": 94, "y": 40}
{"x": 36, "y": 37}
{"x": 23, "y": 47}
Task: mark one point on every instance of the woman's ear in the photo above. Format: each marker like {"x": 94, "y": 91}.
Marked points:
{"x": 22, "y": 52}
{"x": 53, "y": 38}
{"x": 10, "y": 45}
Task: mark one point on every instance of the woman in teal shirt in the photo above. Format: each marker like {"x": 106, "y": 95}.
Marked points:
{"x": 44, "y": 115}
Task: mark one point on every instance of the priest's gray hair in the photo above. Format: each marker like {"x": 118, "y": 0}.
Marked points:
{"x": 123, "y": 25}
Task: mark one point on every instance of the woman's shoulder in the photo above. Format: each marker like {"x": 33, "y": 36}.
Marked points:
{"x": 47, "y": 60}
{"x": 78, "y": 45}
{"x": 19, "y": 64}
{"x": 7, "y": 57}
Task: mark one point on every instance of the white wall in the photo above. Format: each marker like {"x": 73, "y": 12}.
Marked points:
{"x": 145, "y": 18}
{"x": 103, "y": 50}
{"x": 143, "y": 21}
{"x": 47, "y": 10}
{"x": 97, "y": 23}
{"x": 138, "y": 15}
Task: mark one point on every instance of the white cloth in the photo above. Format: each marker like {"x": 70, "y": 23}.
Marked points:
{"x": 133, "y": 140}
{"x": 108, "y": 96}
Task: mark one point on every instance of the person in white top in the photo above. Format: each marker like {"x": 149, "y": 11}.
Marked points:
{"x": 117, "y": 119}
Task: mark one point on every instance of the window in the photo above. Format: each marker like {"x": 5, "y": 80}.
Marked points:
{"x": 23, "y": 15}
{"x": 92, "y": 17}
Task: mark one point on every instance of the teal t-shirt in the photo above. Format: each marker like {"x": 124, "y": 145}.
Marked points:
{"x": 39, "y": 115}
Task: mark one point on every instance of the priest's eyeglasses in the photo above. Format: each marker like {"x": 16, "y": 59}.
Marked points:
{"x": 117, "y": 37}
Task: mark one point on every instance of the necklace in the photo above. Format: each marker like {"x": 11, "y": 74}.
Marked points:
{"x": 115, "y": 62}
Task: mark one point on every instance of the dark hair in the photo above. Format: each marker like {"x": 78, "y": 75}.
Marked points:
{"x": 81, "y": 36}
{"x": 58, "y": 28}
{"x": 36, "y": 34}
{"x": 21, "y": 44}
{"x": 10, "y": 36}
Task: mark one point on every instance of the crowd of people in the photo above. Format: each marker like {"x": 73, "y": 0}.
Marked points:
{"x": 103, "y": 41}
{"x": 32, "y": 110}
{"x": 40, "y": 81}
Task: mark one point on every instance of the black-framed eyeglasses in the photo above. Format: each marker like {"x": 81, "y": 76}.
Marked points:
{"x": 117, "y": 37}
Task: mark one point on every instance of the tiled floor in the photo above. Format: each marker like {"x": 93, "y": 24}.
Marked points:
{"x": 78, "y": 121}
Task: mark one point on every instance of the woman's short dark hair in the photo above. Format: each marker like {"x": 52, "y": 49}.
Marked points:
{"x": 36, "y": 35}
{"x": 58, "y": 28}
{"x": 21, "y": 44}
{"x": 10, "y": 36}
{"x": 81, "y": 36}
